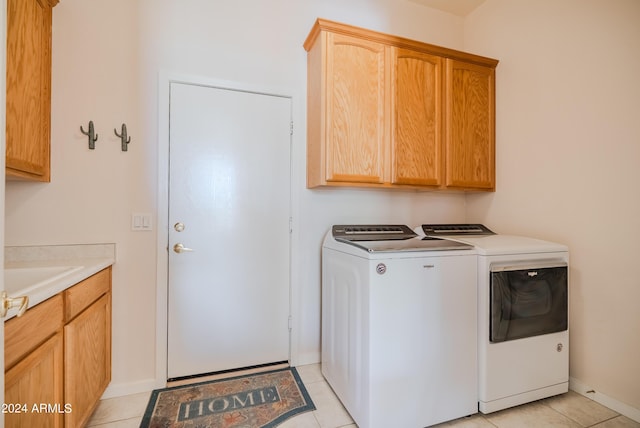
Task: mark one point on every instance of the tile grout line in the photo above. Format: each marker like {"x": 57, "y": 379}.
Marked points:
{"x": 605, "y": 420}
{"x": 545, "y": 403}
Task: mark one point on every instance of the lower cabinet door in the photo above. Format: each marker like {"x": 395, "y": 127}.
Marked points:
{"x": 33, "y": 388}
{"x": 88, "y": 360}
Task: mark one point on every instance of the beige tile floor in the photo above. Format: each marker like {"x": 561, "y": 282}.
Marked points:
{"x": 569, "y": 410}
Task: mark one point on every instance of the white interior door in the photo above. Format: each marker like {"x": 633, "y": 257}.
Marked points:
{"x": 229, "y": 202}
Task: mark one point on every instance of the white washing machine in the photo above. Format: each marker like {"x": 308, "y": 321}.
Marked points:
{"x": 399, "y": 326}
{"x": 523, "y": 335}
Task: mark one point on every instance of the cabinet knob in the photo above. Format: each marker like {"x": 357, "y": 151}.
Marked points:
{"x": 21, "y": 302}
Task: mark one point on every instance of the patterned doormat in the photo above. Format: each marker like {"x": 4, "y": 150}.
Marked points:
{"x": 262, "y": 400}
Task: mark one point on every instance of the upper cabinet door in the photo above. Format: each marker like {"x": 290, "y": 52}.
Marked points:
{"x": 356, "y": 104}
{"x": 28, "y": 88}
{"x": 470, "y": 126}
{"x": 416, "y": 129}
{"x": 389, "y": 112}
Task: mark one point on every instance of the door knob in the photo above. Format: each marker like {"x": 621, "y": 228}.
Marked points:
{"x": 179, "y": 248}
{"x": 21, "y": 302}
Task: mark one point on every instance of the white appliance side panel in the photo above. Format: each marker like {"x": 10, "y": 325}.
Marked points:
{"x": 518, "y": 366}
{"x": 344, "y": 330}
{"x": 423, "y": 345}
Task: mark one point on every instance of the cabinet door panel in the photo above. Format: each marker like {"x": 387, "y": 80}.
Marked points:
{"x": 81, "y": 295}
{"x": 87, "y": 360}
{"x": 28, "y": 89}
{"x": 417, "y": 118}
{"x": 34, "y": 380}
{"x": 356, "y": 104}
{"x": 470, "y": 126}
{"x": 23, "y": 334}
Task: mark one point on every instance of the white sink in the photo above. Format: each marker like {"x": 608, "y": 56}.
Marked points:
{"x": 22, "y": 280}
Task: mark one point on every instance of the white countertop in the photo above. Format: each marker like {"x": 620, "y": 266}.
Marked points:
{"x": 41, "y": 272}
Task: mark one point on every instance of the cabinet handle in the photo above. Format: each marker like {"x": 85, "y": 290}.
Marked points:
{"x": 22, "y": 303}
{"x": 428, "y": 266}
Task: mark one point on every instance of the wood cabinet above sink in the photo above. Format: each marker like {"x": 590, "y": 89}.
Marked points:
{"x": 28, "y": 103}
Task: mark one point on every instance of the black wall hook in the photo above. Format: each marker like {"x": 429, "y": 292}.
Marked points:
{"x": 123, "y": 137}
{"x": 93, "y": 137}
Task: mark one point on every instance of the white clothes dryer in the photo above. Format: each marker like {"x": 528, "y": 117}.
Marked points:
{"x": 523, "y": 334}
{"x": 399, "y": 325}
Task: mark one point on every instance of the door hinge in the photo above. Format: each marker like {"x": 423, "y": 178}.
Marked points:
{"x": 290, "y": 225}
{"x": 290, "y": 322}
{"x": 291, "y": 128}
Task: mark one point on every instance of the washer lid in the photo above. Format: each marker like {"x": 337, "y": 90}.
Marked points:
{"x": 487, "y": 242}
{"x": 508, "y": 244}
{"x": 391, "y": 238}
{"x": 413, "y": 244}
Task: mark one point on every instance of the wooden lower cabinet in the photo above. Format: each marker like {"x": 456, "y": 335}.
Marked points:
{"x": 34, "y": 382}
{"x": 58, "y": 357}
{"x": 88, "y": 360}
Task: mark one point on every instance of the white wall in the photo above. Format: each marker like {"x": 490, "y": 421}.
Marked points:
{"x": 106, "y": 58}
{"x": 568, "y": 163}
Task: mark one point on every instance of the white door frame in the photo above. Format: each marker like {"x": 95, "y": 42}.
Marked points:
{"x": 164, "y": 82}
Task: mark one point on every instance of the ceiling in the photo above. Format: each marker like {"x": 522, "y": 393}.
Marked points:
{"x": 456, "y": 7}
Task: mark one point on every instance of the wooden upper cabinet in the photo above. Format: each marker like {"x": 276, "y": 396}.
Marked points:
{"x": 416, "y": 137}
{"x": 28, "y": 103}
{"x": 384, "y": 111}
{"x": 470, "y": 118}
{"x": 347, "y": 94}
{"x": 355, "y": 115}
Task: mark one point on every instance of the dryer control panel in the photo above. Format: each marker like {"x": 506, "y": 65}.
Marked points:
{"x": 455, "y": 229}
{"x": 374, "y": 232}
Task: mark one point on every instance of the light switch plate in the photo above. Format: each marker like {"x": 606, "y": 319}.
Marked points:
{"x": 141, "y": 221}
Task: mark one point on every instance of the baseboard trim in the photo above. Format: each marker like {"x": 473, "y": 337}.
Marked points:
{"x": 122, "y": 389}
{"x": 305, "y": 358}
{"x": 605, "y": 400}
